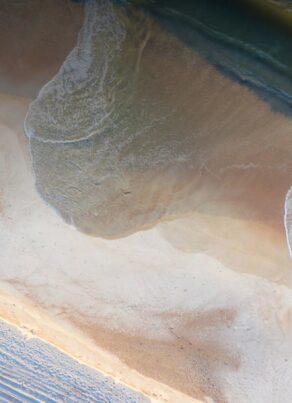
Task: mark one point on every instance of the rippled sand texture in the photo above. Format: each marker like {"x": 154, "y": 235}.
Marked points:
{"x": 137, "y": 128}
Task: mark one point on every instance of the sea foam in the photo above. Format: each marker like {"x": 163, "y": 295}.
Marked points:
{"x": 288, "y": 220}
{"x": 73, "y": 105}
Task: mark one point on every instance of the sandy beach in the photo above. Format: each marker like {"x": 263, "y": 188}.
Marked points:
{"x": 176, "y": 315}
{"x": 194, "y": 304}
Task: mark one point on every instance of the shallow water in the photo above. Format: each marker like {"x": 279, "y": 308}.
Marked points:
{"x": 140, "y": 125}
{"x": 249, "y": 45}
{"x": 34, "y": 371}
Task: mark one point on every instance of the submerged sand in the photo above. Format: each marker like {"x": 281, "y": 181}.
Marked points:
{"x": 142, "y": 129}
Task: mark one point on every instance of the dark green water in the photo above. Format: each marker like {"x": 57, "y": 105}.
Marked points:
{"x": 251, "y": 46}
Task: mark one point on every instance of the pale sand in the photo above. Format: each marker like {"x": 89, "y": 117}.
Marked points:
{"x": 19, "y": 307}
{"x": 181, "y": 320}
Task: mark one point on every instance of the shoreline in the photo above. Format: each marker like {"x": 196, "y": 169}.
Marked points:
{"x": 27, "y": 321}
{"x": 34, "y": 369}
{"x": 144, "y": 286}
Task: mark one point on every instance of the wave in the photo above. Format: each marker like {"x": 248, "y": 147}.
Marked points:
{"x": 288, "y": 220}
{"x": 29, "y": 368}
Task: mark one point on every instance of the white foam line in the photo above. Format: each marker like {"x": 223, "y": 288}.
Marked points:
{"x": 288, "y": 219}
{"x": 30, "y": 134}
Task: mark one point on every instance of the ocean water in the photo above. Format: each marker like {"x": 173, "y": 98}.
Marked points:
{"x": 248, "y": 45}
{"x": 162, "y": 110}
{"x": 33, "y": 371}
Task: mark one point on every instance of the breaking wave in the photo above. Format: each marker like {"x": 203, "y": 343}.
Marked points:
{"x": 288, "y": 220}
